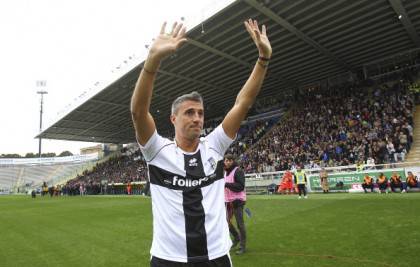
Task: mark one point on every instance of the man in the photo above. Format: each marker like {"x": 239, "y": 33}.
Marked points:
{"x": 44, "y": 189}
{"x": 129, "y": 188}
{"x": 396, "y": 182}
{"x": 411, "y": 181}
{"x": 324, "y": 180}
{"x": 186, "y": 174}
{"x": 82, "y": 189}
{"x": 300, "y": 181}
{"x": 367, "y": 183}
{"x": 235, "y": 198}
{"x": 360, "y": 166}
{"x": 382, "y": 182}
{"x": 286, "y": 184}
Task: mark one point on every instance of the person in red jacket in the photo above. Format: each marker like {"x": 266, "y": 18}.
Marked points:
{"x": 129, "y": 188}
{"x": 286, "y": 184}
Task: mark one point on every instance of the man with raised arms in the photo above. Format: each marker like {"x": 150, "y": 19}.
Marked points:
{"x": 186, "y": 174}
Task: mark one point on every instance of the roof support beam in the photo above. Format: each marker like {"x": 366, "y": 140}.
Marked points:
{"x": 285, "y": 24}
{"x": 77, "y": 129}
{"x": 236, "y": 60}
{"x": 192, "y": 80}
{"x": 108, "y": 103}
{"x": 90, "y": 113}
{"x": 218, "y": 52}
{"x": 405, "y": 20}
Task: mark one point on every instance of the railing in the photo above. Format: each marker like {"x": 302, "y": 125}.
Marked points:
{"x": 259, "y": 182}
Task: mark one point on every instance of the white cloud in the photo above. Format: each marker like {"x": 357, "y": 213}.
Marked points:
{"x": 71, "y": 45}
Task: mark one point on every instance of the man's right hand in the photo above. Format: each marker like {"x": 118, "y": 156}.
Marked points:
{"x": 166, "y": 44}
{"x": 163, "y": 45}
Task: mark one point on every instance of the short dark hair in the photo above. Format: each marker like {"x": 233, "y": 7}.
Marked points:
{"x": 193, "y": 96}
{"x": 229, "y": 157}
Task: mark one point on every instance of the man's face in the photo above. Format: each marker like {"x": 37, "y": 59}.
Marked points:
{"x": 189, "y": 119}
{"x": 228, "y": 163}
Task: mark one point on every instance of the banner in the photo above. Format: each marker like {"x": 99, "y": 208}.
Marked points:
{"x": 54, "y": 160}
{"x": 350, "y": 179}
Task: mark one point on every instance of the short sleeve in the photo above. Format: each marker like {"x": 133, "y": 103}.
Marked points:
{"x": 218, "y": 140}
{"x": 153, "y": 146}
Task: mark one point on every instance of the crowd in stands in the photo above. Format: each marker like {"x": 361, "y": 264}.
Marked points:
{"x": 337, "y": 127}
{"x": 126, "y": 168}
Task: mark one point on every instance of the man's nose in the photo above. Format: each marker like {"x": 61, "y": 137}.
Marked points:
{"x": 196, "y": 116}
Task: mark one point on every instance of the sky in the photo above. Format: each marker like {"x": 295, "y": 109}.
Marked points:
{"x": 76, "y": 47}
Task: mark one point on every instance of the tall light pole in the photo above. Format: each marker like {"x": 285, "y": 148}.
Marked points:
{"x": 41, "y": 84}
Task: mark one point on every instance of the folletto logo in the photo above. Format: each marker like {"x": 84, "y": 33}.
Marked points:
{"x": 182, "y": 182}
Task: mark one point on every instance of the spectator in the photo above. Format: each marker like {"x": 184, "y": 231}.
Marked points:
{"x": 396, "y": 182}
{"x": 411, "y": 181}
{"x": 367, "y": 183}
{"x": 382, "y": 182}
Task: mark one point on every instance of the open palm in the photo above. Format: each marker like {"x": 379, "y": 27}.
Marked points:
{"x": 259, "y": 37}
{"x": 167, "y": 43}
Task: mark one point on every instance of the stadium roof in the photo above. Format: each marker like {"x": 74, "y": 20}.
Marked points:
{"x": 311, "y": 39}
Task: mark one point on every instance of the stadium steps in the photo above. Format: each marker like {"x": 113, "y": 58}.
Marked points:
{"x": 19, "y": 180}
{"x": 414, "y": 154}
{"x": 72, "y": 174}
{"x": 9, "y": 176}
{"x": 54, "y": 173}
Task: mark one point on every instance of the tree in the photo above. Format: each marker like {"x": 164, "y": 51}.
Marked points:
{"x": 10, "y": 156}
{"x": 65, "y": 154}
{"x": 48, "y": 155}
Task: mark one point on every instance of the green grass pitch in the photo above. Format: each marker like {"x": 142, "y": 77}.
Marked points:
{"x": 324, "y": 230}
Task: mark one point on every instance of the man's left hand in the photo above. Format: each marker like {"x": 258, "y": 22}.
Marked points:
{"x": 259, "y": 37}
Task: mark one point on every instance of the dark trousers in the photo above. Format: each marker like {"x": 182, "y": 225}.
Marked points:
{"x": 366, "y": 186}
{"x": 301, "y": 188}
{"x": 236, "y": 208}
{"x": 405, "y": 185}
{"x": 396, "y": 185}
{"x": 223, "y": 261}
{"x": 382, "y": 186}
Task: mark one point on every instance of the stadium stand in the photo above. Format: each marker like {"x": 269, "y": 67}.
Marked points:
{"x": 21, "y": 175}
{"x": 337, "y": 127}
{"x": 124, "y": 168}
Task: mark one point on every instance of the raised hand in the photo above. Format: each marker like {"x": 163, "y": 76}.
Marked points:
{"x": 167, "y": 43}
{"x": 259, "y": 37}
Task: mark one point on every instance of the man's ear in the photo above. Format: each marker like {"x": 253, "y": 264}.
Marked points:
{"x": 172, "y": 118}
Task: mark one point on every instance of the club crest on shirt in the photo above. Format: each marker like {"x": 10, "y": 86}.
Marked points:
{"x": 212, "y": 163}
{"x": 193, "y": 162}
